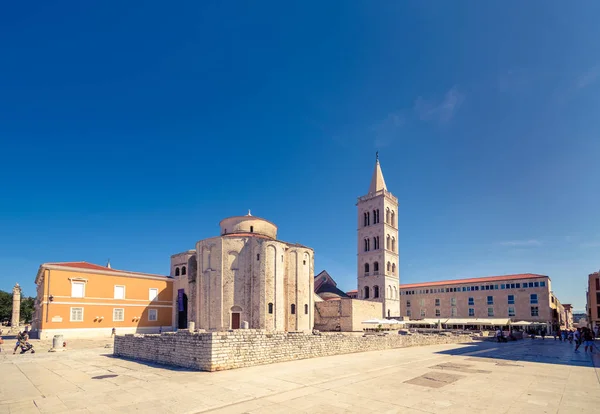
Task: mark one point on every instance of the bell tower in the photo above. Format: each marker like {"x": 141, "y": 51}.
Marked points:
{"x": 378, "y": 273}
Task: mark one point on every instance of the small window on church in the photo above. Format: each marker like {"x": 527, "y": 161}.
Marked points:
{"x": 225, "y": 232}
{"x": 251, "y": 229}
{"x": 176, "y": 271}
{"x": 366, "y": 268}
{"x": 183, "y": 270}
{"x": 257, "y": 256}
{"x": 270, "y": 308}
{"x": 306, "y": 309}
{"x": 293, "y": 309}
{"x": 282, "y": 258}
{"x": 303, "y": 261}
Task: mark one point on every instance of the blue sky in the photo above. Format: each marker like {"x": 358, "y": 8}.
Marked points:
{"x": 128, "y": 131}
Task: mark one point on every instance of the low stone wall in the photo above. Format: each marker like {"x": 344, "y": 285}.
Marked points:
{"x": 215, "y": 351}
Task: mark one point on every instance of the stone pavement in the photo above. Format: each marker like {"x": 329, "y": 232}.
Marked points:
{"x": 531, "y": 376}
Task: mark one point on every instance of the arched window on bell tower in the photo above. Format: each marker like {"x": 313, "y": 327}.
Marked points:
{"x": 366, "y": 269}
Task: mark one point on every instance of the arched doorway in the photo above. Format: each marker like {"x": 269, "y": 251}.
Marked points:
{"x": 236, "y": 314}
{"x": 182, "y": 309}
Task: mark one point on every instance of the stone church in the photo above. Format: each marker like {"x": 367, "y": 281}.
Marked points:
{"x": 244, "y": 276}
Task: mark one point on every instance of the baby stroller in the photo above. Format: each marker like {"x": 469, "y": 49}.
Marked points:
{"x": 26, "y": 346}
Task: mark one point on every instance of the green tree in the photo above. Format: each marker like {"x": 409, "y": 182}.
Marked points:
{"x": 5, "y": 305}
{"x": 27, "y": 307}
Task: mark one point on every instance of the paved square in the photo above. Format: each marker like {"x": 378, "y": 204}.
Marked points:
{"x": 532, "y": 376}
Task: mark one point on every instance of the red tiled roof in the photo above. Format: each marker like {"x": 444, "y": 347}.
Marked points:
{"x": 352, "y": 291}
{"x": 262, "y": 236}
{"x": 473, "y": 280}
{"x": 92, "y": 266}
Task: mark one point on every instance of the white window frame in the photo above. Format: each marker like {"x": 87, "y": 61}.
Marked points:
{"x": 453, "y": 312}
{"x": 71, "y": 314}
{"x": 513, "y": 311}
{"x": 155, "y": 312}
{"x": 123, "y": 313}
{"x": 150, "y": 298}
{"x": 115, "y": 292}
{"x": 78, "y": 282}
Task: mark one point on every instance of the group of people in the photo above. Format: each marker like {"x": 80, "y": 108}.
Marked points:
{"x": 22, "y": 343}
{"x": 580, "y": 336}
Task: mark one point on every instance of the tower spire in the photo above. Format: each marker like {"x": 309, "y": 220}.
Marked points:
{"x": 377, "y": 181}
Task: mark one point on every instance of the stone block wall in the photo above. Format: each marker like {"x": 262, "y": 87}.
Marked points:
{"x": 215, "y": 351}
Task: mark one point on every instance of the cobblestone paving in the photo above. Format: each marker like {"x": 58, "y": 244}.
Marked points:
{"x": 532, "y": 376}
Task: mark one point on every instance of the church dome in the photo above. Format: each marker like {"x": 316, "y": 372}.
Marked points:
{"x": 248, "y": 225}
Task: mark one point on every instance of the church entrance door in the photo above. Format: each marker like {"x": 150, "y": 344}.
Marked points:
{"x": 235, "y": 320}
{"x": 182, "y": 307}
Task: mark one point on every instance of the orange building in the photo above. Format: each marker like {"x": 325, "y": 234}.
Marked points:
{"x": 80, "y": 299}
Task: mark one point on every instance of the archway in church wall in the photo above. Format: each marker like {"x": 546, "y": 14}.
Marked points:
{"x": 182, "y": 309}
{"x": 236, "y": 313}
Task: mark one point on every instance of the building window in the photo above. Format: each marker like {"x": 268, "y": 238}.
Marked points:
{"x": 453, "y": 301}
{"x": 490, "y": 311}
{"x": 152, "y": 315}
{"x": 471, "y": 312}
{"x": 77, "y": 290}
{"x": 511, "y": 299}
{"x": 437, "y": 302}
{"x": 257, "y": 256}
{"x": 511, "y": 311}
{"x": 393, "y": 244}
{"x": 408, "y": 303}
{"x": 118, "y": 315}
{"x": 176, "y": 271}
{"x": 542, "y": 284}
{"x": 76, "y": 314}
{"x": 502, "y": 286}
{"x": 375, "y": 291}
{"x": 368, "y": 219}
{"x": 534, "y": 311}
{"x": 471, "y": 302}
{"x": 422, "y": 313}
{"x": 306, "y": 309}
{"x": 366, "y": 292}
{"x": 366, "y": 269}
{"x": 119, "y": 292}
{"x": 152, "y": 294}
{"x": 389, "y": 267}
{"x": 251, "y": 229}
{"x": 270, "y": 306}
{"x": 422, "y": 302}
{"x": 453, "y": 312}
{"x": 393, "y": 219}
{"x": 536, "y": 284}
{"x": 393, "y": 268}
{"x": 437, "y": 312}
{"x": 490, "y": 300}
{"x": 598, "y": 310}
{"x": 408, "y": 313}
{"x": 375, "y": 267}
{"x": 387, "y": 216}
{"x": 183, "y": 270}
{"x": 293, "y": 309}
{"x": 533, "y": 299}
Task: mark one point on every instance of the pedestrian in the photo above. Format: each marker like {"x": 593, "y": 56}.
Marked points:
{"x": 1, "y": 342}
{"x": 588, "y": 338}
{"x": 19, "y": 336}
{"x": 543, "y": 333}
{"x": 577, "y": 338}
{"x": 570, "y": 337}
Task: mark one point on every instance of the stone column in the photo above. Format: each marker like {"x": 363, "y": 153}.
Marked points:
{"x": 16, "y": 307}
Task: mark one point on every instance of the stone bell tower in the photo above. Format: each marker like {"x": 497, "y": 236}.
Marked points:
{"x": 378, "y": 259}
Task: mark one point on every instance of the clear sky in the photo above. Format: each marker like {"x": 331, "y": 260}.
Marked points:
{"x": 128, "y": 130}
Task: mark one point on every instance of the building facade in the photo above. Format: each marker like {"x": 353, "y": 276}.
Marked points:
{"x": 378, "y": 273}
{"x": 244, "y": 275}
{"x": 568, "y": 316}
{"x": 593, "y": 300}
{"x": 80, "y": 299}
{"x": 523, "y": 297}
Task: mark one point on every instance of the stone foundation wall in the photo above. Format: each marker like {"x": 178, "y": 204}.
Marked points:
{"x": 215, "y": 351}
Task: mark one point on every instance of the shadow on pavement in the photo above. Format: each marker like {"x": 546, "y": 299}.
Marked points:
{"x": 546, "y": 351}
{"x": 152, "y": 364}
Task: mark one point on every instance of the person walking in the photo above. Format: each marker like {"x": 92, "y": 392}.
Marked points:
{"x": 577, "y": 338}
{"x": 588, "y": 340}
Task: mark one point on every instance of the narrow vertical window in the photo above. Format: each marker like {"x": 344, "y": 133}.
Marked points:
{"x": 306, "y": 309}
{"x": 251, "y": 229}
{"x": 176, "y": 271}
{"x": 270, "y": 308}
{"x": 293, "y": 309}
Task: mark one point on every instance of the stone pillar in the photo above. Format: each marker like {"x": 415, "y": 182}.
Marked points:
{"x": 16, "y": 307}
